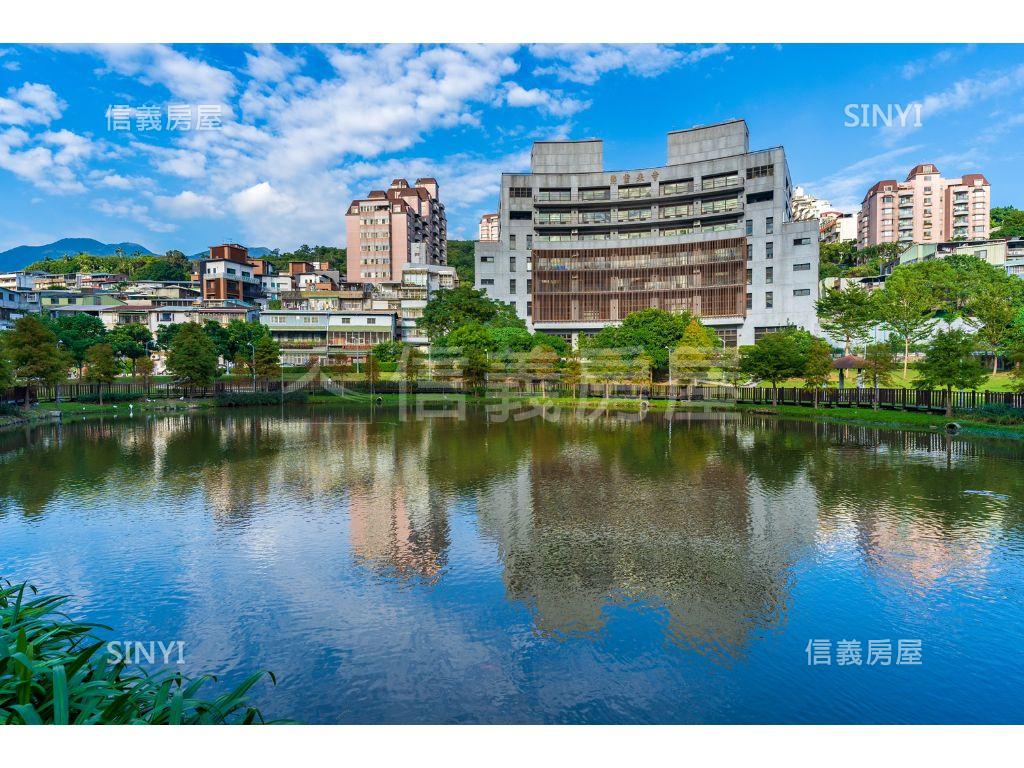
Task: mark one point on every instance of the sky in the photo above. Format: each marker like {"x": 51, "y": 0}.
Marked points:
{"x": 290, "y": 134}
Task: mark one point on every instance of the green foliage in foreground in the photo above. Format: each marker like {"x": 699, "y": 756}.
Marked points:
{"x": 54, "y": 670}
{"x": 241, "y": 399}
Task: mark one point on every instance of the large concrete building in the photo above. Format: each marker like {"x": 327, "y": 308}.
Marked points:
{"x": 391, "y": 228}
{"x": 925, "y": 208}
{"x": 709, "y": 232}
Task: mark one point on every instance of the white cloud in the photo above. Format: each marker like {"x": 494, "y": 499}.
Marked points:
{"x": 184, "y": 163}
{"x": 918, "y": 67}
{"x": 188, "y": 205}
{"x": 261, "y": 199}
{"x": 190, "y": 79}
{"x": 963, "y": 94}
{"x": 270, "y": 65}
{"x": 32, "y": 103}
{"x": 550, "y": 102}
{"x": 111, "y": 180}
{"x": 586, "y": 63}
{"x": 132, "y": 211}
{"x": 846, "y": 187}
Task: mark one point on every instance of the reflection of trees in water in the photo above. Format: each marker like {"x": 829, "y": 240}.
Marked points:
{"x": 79, "y": 459}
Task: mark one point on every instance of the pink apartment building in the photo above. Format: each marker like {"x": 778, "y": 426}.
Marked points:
{"x": 391, "y": 228}
{"x": 490, "y": 227}
{"x": 925, "y": 208}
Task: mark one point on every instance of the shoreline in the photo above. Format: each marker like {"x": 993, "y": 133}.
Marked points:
{"x": 892, "y": 419}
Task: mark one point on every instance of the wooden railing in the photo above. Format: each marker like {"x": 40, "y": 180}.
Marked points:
{"x": 891, "y": 399}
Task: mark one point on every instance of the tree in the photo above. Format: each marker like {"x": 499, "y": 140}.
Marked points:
{"x": 411, "y": 365}
{"x": 268, "y": 358}
{"x": 389, "y": 351}
{"x": 223, "y": 344}
{"x": 469, "y": 336}
{"x": 846, "y": 314}
{"x": 776, "y": 357}
{"x": 474, "y": 369}
{"x": 144, "y": 368}
{"x": 462, "y": 256}
{"x": 606, "y": 365}
{"x": 371, "y": 369}
{"x": 950, "y": 363}
{"x": 908, "y": 303}
{"x": 572, "y": 373}
{"x": 879, "y": 364}
{"x": 654, "y": 331}
{"x": 162, "y": 270}
{"x": 541, "y": 365}
{"x": 817, "y": 370}
{"x": 235, "y": 338}
{"x": 449, "y": 309}
{"x": 640, "y": 371}
{"x": 994, "y": 311}
{"x": 692, "y": 358}
{"x": 1007, "y": 221}
{"x": 192, "y": 359}
{"x": 6, "y": 368}
{"x": 165, "y": 335}
{"x": 101, "y": 366}
{"x": 129, "y": 341}
{"x": 34, "y": 354}
{"x": 77, "y": 332}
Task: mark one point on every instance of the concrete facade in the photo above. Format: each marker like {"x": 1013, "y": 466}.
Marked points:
{"x": 710, "y": 233}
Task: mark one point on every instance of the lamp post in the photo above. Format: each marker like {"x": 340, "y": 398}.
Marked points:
{"x": 253, "y": 348}
{"x": 146, "y": 347}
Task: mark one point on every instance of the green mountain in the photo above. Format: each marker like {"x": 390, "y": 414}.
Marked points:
{"x": 23, "y": 255}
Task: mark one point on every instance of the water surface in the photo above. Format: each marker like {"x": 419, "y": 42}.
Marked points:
{"x": 538, "y": 570}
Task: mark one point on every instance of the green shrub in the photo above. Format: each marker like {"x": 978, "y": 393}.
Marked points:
{"x": 54, "y": 670}
{"x": 240, "y": 399}
{"x": 9, "y": 409}
{"x": 996, "y": 413}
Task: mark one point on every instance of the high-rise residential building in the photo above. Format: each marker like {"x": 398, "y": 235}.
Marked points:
{"x": 391, "y": 228}
{"x": 837, "y": 227}
{"x": 489, "y": 228}
{"x": 925, "y": 208}
{"x": 710, "y": 232}
{"x": 806, "y": 206}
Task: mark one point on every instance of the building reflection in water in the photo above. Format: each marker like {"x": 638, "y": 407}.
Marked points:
{"x": 701, "y": 525}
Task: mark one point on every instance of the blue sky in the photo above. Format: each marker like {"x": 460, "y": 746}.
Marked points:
{"x": 307, "y": 128}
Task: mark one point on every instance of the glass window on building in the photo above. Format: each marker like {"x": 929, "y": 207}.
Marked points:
{"x": 750, "y": 301}
{"x": 769, "y": 299}
{"x": 750, "y": 227}
{"x": 511, "y": 263}
{"x": 512, "y": 285}
{"x": 769, "y": 274}
{"x": 529, "y": 242}
{"x": 511, "y": 242}
{"x": 769, "y": 225}
{"x": 769, "y": 250}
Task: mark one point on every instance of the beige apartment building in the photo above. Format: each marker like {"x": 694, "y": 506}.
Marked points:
{"x": 925, "y": 208}
{"x": 404, "y": 224}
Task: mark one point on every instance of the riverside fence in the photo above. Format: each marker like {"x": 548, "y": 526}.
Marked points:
{"x": 890, "y": 399}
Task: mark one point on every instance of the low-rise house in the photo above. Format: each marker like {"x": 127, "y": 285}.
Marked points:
{"x": 13, "y": 304}
{"x": 308, "y": 336}
{"x": 20, "y": 280}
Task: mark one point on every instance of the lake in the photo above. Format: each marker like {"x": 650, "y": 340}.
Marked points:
{"x": 695, "y": 568}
